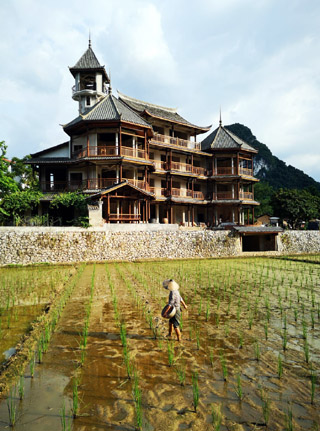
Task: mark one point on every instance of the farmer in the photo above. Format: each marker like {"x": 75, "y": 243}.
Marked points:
{"x": 175, "y": 299}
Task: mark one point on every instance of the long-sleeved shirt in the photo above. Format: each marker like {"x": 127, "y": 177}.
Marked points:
{"x": 175, "y": 299}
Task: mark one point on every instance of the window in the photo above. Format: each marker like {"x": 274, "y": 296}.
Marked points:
{"x": 77, "y": 148}
{"x": 88, "y": 101}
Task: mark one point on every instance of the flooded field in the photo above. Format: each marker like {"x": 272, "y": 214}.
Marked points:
{"x": 100, "y": 359}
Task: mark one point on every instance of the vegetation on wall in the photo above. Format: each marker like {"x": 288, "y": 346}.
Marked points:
{"x": 73, "y": 207}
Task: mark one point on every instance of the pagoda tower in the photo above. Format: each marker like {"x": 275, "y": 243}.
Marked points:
{"x": 91, "y": 80}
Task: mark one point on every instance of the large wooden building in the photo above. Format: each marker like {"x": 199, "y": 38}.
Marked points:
{"x": 145, "y": 163}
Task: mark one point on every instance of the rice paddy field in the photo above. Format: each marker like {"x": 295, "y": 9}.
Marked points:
{"x": 84, "y": 347}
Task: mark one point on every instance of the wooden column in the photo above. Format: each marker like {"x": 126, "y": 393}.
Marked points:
{"x": 120, "y": 172}
{"x": 238, "y": 190}
{"x": 171, "y": 213}
{"x": 120, "y": 141}
{"x": 139, "y": 209}
{"x": 88, "y": 145}
{"x": 145, "y": 178}
{"x": 192, "y": 215}
{"x": 145, "y": 145}
{"x": 248, "y": 215}
{"x": 237, "y": 167}
{"x": 192, "y": 163}
{"x": 252, "y": 215}
{"x": 213, "y": 165}
{"x": 108, "y": 209}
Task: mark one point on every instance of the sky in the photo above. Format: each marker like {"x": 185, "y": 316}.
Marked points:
{"x": 259, "y": 60}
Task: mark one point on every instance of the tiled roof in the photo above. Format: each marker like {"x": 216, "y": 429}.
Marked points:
{"x": 258, "y": 229}
{"x": 169, "y": 114}
{"x": 223, "y": 138}
{"x": 87, "y": 61}
{"x": 110, "y": 109}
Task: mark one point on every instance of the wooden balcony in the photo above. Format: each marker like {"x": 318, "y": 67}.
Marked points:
{"x": 176, "y": 142}
{"x": 246, "y": 195}
{"x": 220, "y": 196}
{"x": 159, "y": 165}
{"x": 183, "y": 193}
{"x": 229, "y": 170}
{"x": 101, "y": 151}
{"x": 158, "y": 191}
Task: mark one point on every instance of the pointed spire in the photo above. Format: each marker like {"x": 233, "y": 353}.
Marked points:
{"x": 89, "y": 39}
{"x": 220, "y": 120}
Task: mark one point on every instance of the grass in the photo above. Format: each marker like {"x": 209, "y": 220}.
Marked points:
{"x": 12, "y": 407}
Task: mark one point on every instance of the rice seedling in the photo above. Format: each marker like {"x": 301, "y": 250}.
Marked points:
{"x": 266, "y": 329}
{"x": 12, "y": 407}
{"x": 238, "y": 387}
{"x": 75, "y": 397}
{"x": 32, "y": 364}
{"x": 211, "y": 356}
{"x": 284, "y": 340}
{"x": 280, "y": 367}
{"x": 257, "y": 350}
{"x": 181, "y": 373}
{"x": 127, "y": 361}
{"x": 289, "y": 418}
{"x": 65, "y": 423}
{"x": 170, "y": 348}
{"x": 265, "y": 406}
{"x": 197, "y": 332}
{"x": 306, "y": 350}
{"x": 207, "y": 311}
{"x": 216, "y": 412}
{"x": 21, "y": 387}
{"x": 313, "y": 385}
{"x": 304, "y": 329}
{"x": 195, "y": 390}
{"x": 136, "y": 392}
{"x": 223, "y": 365}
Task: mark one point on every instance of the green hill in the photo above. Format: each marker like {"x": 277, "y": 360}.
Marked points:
{"x": 270, "y": 169}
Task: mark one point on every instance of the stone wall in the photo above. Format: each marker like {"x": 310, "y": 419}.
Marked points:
{"x": 67, "y": 245}
{"x": 297, "y": 241}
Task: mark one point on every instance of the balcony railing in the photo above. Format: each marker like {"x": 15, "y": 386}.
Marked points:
{"x": 225, "y": 170}
{"x": 246, "y": 195}
{"x": 248, "y": 172}
{"x": 177, "y": 142}
{"x": 158, "y": 191}
{"x": 101, "y": 151}
{"x": 186, "y": 193}
{"x": 159, "y": 165}
{"x": 223, "y": 195}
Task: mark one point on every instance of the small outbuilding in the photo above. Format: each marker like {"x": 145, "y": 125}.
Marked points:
{"x": 258, "y": 238}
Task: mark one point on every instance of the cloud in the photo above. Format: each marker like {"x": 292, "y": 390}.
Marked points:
{"x": 194, "y": 55}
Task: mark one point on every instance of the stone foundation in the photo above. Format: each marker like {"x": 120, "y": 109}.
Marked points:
{"x": 27, "y": 245}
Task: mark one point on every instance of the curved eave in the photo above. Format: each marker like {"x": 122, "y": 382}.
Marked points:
{"x": 235, "y": 202}
{"x": 108, "y": 123}
{"x": 189, "y": 125}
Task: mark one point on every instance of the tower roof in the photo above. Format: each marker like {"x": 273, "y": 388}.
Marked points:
{"x": 161, "y": 112}
{"x": 88, "y": 62}
{"x": 221, "y": 138}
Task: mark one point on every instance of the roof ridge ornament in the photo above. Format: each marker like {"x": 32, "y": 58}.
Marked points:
{"x": 220, "y": 120}
{"x": 89, "y": 39}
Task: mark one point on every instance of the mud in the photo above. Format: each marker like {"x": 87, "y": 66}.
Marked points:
{"x": 230, "y": 304}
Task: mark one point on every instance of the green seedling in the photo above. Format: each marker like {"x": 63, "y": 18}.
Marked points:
{"x": 181, "y": 373}
{"x": 280, "y": 367}
{"x": 216, "y": 411}
{"x": 289, "y": 419}
{"x": 224, "y": 366}
{"x": 21, "y": 387}
{"x": 257, "y": 350}
{"x": 136, "y": 392}
{"x": 12, "y": 408}
{"x": 170, "y": 348}
{"x": 313, "y": 385}
{"x": 75, "y": 397}
{"x": 195, "y": 390}
{"x": 238, "y": 387}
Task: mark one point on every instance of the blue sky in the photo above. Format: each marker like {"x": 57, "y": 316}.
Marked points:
{"x": 257, "y": 59}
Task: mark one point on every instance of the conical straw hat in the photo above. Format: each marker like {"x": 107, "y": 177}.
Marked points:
{"x": 170, "y": 285}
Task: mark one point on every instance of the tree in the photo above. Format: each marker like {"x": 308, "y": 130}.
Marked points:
{"x": 7, "y": 183}
{"x": 72, "y": 208}
{"x": 23, "y": 173}
{"x": 263, "y": 193}
{"x": 14, "y": 205}
{"x": 296, "y": 206}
